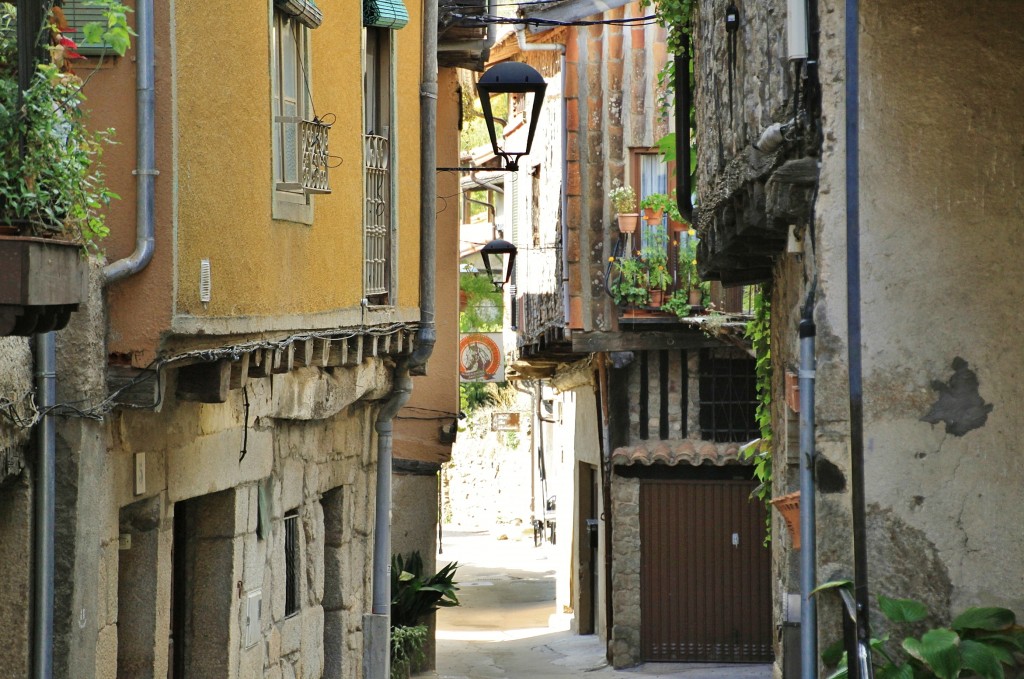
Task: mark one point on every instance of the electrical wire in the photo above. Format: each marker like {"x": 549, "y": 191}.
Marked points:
{"x": 483, "y": 19}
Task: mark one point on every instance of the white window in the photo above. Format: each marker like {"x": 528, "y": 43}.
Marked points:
{"x": 291, "y": 105}
{"x": 378, "y": 156}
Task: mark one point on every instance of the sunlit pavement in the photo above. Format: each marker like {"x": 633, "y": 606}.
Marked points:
{"x": 507, "y": 627}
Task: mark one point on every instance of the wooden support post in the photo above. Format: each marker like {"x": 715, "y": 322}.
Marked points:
{"x": 359, "y": 350}
{"x": 284, "y": 359}
{"x": 259, "y": 364}
{"x": 133, "y": 386}
{"x": 387, "y": 344}
{"x": 304, "y": 353}
{"x": 205, "y": 382}
{"x": 344, "y": 352}
{"x": 374, "y": 345}
{"x": 239, "y": 372}
{"x": 322, "y": 351}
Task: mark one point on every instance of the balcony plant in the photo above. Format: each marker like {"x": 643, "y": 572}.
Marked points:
{"x": 52, "y": 189}
{"x": 688, "y": 271}
{"x": 655, "y": 256}
{"x": 632, "y": 286}
{"x": 655, "y": 205}
{"x": 624, "y": 202}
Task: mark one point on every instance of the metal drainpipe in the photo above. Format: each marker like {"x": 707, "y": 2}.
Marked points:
{"x": 684, "y": 97}
{"x": 44, "y": 509}
{"x": 145, "y": 142}
{"x": 862, "y": 667}
{"x": 560, "y": 48}
{"x": 808, "y": 537}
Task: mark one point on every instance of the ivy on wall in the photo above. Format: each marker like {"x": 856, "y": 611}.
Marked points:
{"x": 758, "y": 331}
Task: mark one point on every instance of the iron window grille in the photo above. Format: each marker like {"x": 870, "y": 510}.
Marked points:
{"x": 314, "y": 156}
{"x": 377, "y": 214}
{"x": 728, "y": 398}
{"x": 291, "y": 563}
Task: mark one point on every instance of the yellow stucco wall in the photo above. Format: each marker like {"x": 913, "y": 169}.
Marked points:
{"x": 261, "y": 266}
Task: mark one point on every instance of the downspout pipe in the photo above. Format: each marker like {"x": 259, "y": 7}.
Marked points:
{"x": 426, "y": 336}
{"x": 145, "y": 143}
{"x": 684, "y": 101}
{"x": 808, "y": 534}
{"x": 44, "y": 508}
{"x": 524, "y": 46}
{"x": 861, "y": 667}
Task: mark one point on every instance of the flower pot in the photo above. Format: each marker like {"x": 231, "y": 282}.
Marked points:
{"x": 676, "y": 227}
{"x": 628, "y": 222}
{"x": 696, "y": 297}
{"x": 653, "y": 215}
{"x": 657, "y": 297}
{"x": 41, "y": 282}
{"x": 789, "y": 508}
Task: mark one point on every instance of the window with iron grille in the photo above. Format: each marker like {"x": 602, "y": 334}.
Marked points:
{"x": 377, "y": 223}
{"x": 728, "y": 397}
{"x": 291, "y": 563}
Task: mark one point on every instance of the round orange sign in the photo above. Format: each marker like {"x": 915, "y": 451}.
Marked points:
{"x": 479, "y": 358}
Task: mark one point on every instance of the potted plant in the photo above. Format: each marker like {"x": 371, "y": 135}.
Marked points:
{"x": 52, "y": 189}
{"x": 655, "y": 255}
{"x": 624, "y": 201}
{"x": 632, "y": 284}
{"x": 414, "y": 595}
{"x": 678, "y": 303}
{"x": 688, "y": 271}
{"x": 655, "y": 205}
{"x": 676, "y": 224}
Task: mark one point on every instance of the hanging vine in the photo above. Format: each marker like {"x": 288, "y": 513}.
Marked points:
{"x": 758, "y": 331}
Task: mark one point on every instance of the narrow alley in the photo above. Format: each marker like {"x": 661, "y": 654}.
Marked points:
{"x": 507, "y": 627}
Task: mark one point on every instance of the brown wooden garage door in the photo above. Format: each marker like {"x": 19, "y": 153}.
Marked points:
{"x": 704, "y": 572}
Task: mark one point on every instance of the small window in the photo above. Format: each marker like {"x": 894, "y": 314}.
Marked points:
{"x": 78, "y": 13}
{"x": 292, "y": 566}
{"x": 728, "y": 398}
{"x": 378, "y": 156}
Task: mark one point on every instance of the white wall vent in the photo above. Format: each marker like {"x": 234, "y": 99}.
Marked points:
{"x": 204, "y": 281}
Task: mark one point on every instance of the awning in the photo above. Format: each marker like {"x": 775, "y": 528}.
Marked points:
{"x": 385, "y": 13}
{"x": 305, "y": 11}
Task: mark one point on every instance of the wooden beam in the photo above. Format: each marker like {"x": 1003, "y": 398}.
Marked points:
{"x": 387, "y": 344}
{"x": 259, "y": 364}
{"x": 205, "y": 382}
{"x": 284, "y": 359}
{"x": 641, "y": 341}
{"x": 239, "y": 372}
{"x": 359, "y": 351}
{"x": 304, "y": 353}
{"x": 322, "y": 351}
{"x": 374, "y": 345}
{"x": 135, "y": 387}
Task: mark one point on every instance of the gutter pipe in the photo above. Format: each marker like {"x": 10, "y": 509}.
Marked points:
{"x": 564, "y": 199}
{"x": 145, "y": 144}
{"x": 860, "y": 664}
{"x": 415, "y": 363}
{"x": 684, "y": 100}
{"x": 44, "y": 509}
{"x": 808, "y": 537}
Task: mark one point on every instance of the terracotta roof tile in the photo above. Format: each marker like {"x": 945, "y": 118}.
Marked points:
{"x": 679, "y": 451}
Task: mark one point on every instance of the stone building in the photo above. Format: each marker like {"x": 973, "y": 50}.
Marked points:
{"x": 888, "y": 186}
{"x": 652, "y": 408}
{"x": 227, "y": 389}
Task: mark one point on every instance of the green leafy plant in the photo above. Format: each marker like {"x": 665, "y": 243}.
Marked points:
{"x": 414, "y": 595}
{"x": 758, "y": 331}
{"x": 978, "y": 643}
{"x": 483, "y": 308}
{"x": 407, "y": 649}
{"x": 655, "y": 257}
{"x": 51, "y": 177}
{"x": 632, "y": 285}
{"x": 623, "y": 198}
{"x": 658, "y": 201}
{"x": 678, "y": 303}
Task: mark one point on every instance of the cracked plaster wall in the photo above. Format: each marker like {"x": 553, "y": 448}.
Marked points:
{"x": 942, "y": 165}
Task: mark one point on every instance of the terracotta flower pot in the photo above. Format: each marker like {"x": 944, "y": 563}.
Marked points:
{"x": 657, "y": 297}
{"x": 696, "y": 297}
{"x": 628, "y": 222}
{"x": 789, "y": 508}
{"x": 653, "y": 215}
{"x": 676, "y": 227}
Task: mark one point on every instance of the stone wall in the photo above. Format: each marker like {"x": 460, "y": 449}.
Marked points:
{"x": 626, "y": 613}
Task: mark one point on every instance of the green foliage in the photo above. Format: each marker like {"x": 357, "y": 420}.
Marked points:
{"x": 678, "y": 303}
{"x": 658, "y": 201}
{"x": 474, "y": 395}
{"x": 758, "y": 331}
{"x": 51, "y": 177}
{"x": 979, "y": 643}
{"x": 483, "y": 304}
{"x": 632, "y": 284}
{"x": 407, "y": 648}
{"x": 115, "y": 32}
{"x": 414, "y": 595}
{"x": 655, "y": 258}
{"x": 688, "y": 263}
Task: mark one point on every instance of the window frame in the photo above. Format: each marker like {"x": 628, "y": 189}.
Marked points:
{"x": 289, "y": 205}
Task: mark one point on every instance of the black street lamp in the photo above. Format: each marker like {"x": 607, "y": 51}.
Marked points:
{"x": 511, "y": 77}
{"x": 497, "y": 248}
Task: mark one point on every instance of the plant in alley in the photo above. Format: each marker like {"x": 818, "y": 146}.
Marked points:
{"x": 413, "y": 597}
